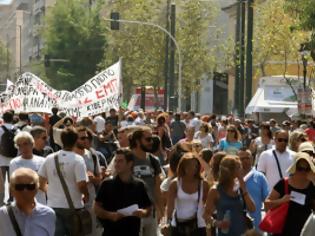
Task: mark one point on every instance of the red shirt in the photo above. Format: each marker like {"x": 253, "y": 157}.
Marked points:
{"x": 311, "y": 134}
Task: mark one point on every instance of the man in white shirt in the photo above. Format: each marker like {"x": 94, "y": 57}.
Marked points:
{"x": 194, "y": 121}
{"x": 99, "y": 122}
{"x": 5, "y": 160}
{"x": 73, "y": 169}
{"x": 25, "y": 142}
{"x": 267, "y": 163}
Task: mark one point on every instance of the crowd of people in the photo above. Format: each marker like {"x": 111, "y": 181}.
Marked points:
{"x": 149, "y": 173}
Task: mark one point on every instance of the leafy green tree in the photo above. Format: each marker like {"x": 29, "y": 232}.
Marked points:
{"x": 194, "y": 18}
{"x": 3, "y": 61}
{"x": 274, "y": 38}
{"x": 75, "y": 42}
{"x": 140, "y": 46}
{"x": 304, "y": 11}
{"x": 143, "y": 47}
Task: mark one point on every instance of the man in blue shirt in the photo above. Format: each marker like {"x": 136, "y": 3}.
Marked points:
{"x": 256, "y": 183}
{"x": 32, "y": 218}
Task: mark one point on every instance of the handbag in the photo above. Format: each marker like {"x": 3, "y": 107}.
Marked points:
{"x": 81, "y": 217}
{"x": 190, "y": 226}
{"x": 274, "y": 220}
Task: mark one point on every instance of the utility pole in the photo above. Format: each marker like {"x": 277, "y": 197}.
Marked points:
{"x": 242, "y": 58}
{"x": 172, "y": 59}
{"x": 249, "y": 51}
{"x": 237, "y": 58}
{"x": 8, "y": 57}
{"x": 166, "y": 65}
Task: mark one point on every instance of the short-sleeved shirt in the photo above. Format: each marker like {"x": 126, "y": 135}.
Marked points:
{"x": 258, "y": 189}
{"x": 178, "y": 129}
{"x": 115, "y": 194}
{"x": 297, "y": 214}
{"x": 41, "y": 222}
{"x": 73, "y": 169}
{"x": 229, "y": 147}
{"x": 268, "y": 165}
{"x": 147, "y": 169}
{"x": 35, "y": 163}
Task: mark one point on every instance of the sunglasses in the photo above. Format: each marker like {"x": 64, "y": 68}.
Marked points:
{"x": 84, "y": 138}
{"x": 280, "y": 140}
{"x": 148, "y": 139}
{"x": 21, "y": 187}
{"x": 303, "y": 169}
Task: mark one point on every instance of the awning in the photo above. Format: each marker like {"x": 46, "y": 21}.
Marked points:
{"x": 259, "y": 104}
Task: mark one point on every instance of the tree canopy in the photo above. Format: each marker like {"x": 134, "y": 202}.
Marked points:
{"x": 74, "y": 42}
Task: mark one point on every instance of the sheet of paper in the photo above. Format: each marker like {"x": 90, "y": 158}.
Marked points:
{"x": 298, "y": 197}
{"x": 127, "y": 211}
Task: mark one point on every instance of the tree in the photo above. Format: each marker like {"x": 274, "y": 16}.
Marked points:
{"x": 4, "y": 62}
{"x": 274, "y": 38}
{"x": 143, "y": 47}
{"x": 74, "y": 37}
{"x": 304, "y": 11}
{"x": 193, "y": 19}
{"x": 140, "y": 46}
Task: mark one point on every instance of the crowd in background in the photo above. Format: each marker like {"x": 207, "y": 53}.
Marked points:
{"x": 151, "y": 173}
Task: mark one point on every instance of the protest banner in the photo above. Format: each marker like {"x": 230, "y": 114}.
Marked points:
{"x": 30, "y": 94}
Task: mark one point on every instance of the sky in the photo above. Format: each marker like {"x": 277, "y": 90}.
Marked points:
{"x": 5, "y": 2}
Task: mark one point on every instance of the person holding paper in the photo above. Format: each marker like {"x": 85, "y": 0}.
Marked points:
{"x": 301, "y": 194}
{"x": 122, "y": 200}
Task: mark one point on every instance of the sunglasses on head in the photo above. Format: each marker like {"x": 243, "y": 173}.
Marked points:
{"x": 280, "y": 140}
{"x": 303, "y": 168}
{"x": 21, "y": 187}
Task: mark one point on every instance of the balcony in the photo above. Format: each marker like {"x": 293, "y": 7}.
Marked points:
{"x": 22, "y": 5}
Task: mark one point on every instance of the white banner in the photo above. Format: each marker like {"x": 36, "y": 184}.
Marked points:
{"x": 31, "y": 94}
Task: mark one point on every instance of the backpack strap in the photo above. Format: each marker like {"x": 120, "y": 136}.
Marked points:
{"x": 153, "y": 163}
{"x": 22, "y": 126}
{"x": 4, "y": 128}
{"x": 94, "y": 157}
{"x": 13, "y": 220}
{"x": 278, "y": 164}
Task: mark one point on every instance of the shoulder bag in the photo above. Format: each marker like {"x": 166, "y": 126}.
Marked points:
{"x": 278, "y": 164}
{"x": 13, "y": 220}
{"x": 81, "y": 217}
{"x": 187, "y": 227}
{"x": 275, "y": 218}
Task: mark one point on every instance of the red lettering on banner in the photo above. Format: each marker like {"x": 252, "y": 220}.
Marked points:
{"x": 109, "y": 86}
{"x": 99, "y": 94}
{"x": 86, "y": 101}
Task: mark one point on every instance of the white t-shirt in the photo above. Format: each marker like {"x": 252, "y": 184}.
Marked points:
{"x": 100, "y": 123}
{"x": 196, "y": 123}
{"x": 206, "y": 141}
{"x": 35, "y": 163}
{"x": 88, "y": 159}
{"x": 73, "y": 170}
{"x": 268, "y": 165}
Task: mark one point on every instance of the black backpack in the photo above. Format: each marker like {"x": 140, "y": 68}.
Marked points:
{"x": 7, "y": 147}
